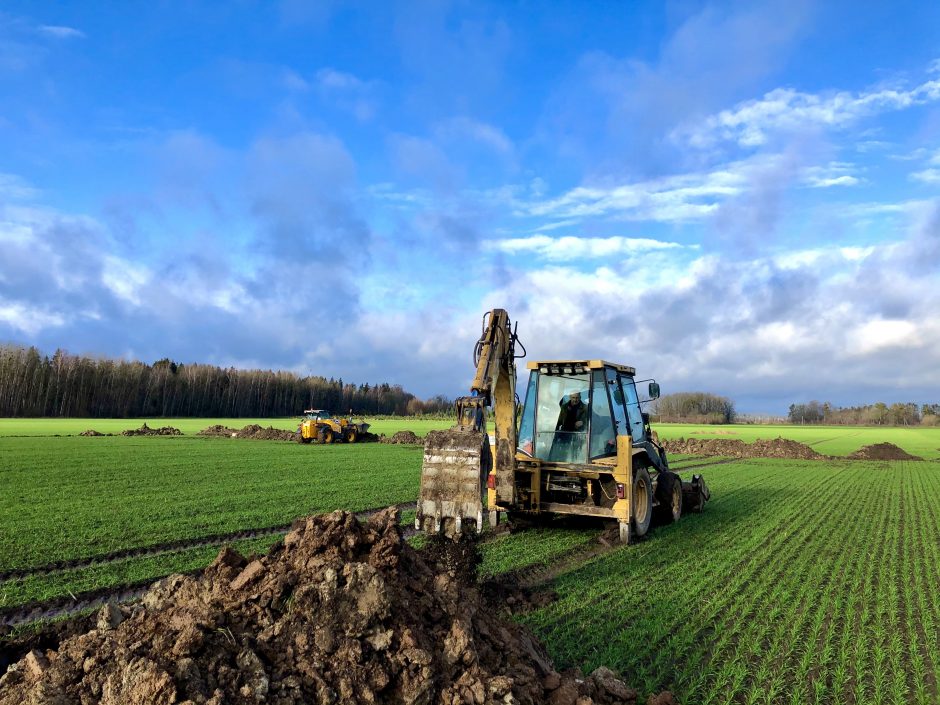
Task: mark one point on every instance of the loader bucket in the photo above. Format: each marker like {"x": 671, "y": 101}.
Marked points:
{"x": 453, "y": 480}
{"x": 695, "y": 494}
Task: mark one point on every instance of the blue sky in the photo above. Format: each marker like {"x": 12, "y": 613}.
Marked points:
{"x": 733, "y": 197}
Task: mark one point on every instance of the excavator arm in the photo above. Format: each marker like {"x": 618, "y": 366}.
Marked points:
{"x": 458, "y": 461}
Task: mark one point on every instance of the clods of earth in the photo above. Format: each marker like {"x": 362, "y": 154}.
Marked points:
{"x": 401, "y": 438}
{"x": 882, "y": 451}
{"x": 339, "y": 612}
{"x": 145, "y": 430}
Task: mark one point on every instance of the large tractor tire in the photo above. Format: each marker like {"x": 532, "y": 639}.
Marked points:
{"x": 325, "y": 435}
{"x": 669, "y": 496}
{"x": 351, "y": 435}
{"x": 642, "y": 509}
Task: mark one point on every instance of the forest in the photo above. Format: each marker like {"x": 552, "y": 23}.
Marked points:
{"x": 66, "y": 385}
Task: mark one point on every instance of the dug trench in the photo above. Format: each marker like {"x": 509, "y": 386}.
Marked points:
{"x": 341, "y": 611}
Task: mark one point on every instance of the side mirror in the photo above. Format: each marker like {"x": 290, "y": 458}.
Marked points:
{"x": 654, "y": 390}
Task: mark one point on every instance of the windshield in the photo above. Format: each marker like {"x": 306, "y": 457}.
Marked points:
{"x": 561, "y": 424}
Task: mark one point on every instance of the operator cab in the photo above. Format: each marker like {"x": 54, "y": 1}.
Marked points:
{"x": 317, "y": 414}
{"x": 575, "y": 409}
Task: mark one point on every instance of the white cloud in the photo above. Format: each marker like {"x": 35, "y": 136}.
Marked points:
{"x": 784, "y": 109}
{"x": 61, "y": 32}
{"x": 340, "y": 80}
{"x": 14, "y": 187}
{"x": 927, "y": 176}
{"x": 480, "y": 132}
{"x": 29, "y": 320}
{"x": 572, "y": 248}
{"x": 834, "y": 174}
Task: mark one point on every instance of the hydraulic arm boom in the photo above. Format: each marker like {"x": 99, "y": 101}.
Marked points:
{"x": 457, "y": 462}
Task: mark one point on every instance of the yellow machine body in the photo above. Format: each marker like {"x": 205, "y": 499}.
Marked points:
{"x": 581, "y": 445}
{"x": 321, "y": 426}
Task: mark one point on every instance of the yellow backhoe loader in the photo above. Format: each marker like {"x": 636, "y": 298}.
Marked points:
{"x": 321, "y": 426}
{"x": 581, "y": 445}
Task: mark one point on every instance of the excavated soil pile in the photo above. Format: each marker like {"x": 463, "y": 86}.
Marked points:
{"x": 145, "y": 430}
{"x": 882, "y": 451}
{"x": 218, "y": 430}
{"x": 91, "y": 432}
{"x": 341, "y": 612}
{"x": 736, "y": 448}
{"x": 256, "y": 432}
{"x": 401, "y": 437}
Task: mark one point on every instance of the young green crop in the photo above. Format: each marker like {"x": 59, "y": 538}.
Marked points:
{"x": 68, "y": 498}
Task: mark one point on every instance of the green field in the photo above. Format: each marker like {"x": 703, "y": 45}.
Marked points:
{"x": 189, "y": 426}
{"x": 803, "y": 582}
{"x": 923, "y": 441}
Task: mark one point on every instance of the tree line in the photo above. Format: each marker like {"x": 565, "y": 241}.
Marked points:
{"x": 877, "y": 414}
{"x": 694, "y": 407}
{"x": 33, "y": 384}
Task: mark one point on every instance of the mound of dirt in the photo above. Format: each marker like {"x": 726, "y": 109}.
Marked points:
{"x": 91, "y": 432}
{"x": 882, "y": 451}
{"x": 340, "y": 612}
{"x": 218, "y": 430}
{"x": 256, "y": 432}
{"x": 401, "y": 437}
{"x": 736, "y": 448}
{"x": 145, "y": 430}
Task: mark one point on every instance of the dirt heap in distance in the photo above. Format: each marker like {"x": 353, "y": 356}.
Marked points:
{"x": 92, "y": 432}
{"x": 256, "y": 432}
{"x": 145, "y": 430}
{"x": 218, "y": 430}
{"x": 882, "y": 451}
{"x": 401, "y": 437}
{"x": 736, "y": 448}
{"x": 341, "y": 612}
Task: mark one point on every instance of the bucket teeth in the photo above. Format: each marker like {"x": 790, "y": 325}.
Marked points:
{"x": 451, "y": 480}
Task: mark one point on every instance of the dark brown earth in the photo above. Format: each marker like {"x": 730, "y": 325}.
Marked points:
{"x": 401, "y": 437}
{"x": 145, "y": 430}
{"x": 882, "y": 451}
{"x": 92, "y": 432}
{"x": 341, "y": 612}
{"x": 218, "y": 430}
{"x": 256, "y": 432}
{"x": 736, "y": 448}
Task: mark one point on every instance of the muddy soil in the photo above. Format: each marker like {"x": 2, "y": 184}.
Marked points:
{"x": 145, "y": 430}
{"x": 93, "y": 432}
{"x": 340, "y": 612}
{"x": 736, "y": 448}
{"x": 882, "y": 451}
{"x": 219, "y": 431}
{"x": 401, "y": 437}
{"x": 256, "y": 432}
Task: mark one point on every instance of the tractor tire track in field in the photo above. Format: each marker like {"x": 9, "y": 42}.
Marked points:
{"x": 62, "y": 607}
{"x": 166, "y": 547}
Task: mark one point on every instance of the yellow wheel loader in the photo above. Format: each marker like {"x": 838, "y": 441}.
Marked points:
{"x": 321, "y": 426}
{"x": 580, "y": 444}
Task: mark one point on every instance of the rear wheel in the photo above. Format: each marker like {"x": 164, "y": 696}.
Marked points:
{"x": 325, "y": 435}
{"x": 642, "y": 509}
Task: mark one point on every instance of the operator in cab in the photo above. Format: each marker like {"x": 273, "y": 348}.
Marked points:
{"x": 573, "y": 415}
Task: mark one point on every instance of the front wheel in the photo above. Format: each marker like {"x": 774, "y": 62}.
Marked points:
{"x": 325, "y": 435}
{"x": 642, "y": 509}
{"x": 350, "y": 436}
{"x": 669, "y": 495}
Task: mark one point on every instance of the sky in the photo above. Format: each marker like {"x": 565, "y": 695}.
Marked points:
{"x": 739, "y": 198}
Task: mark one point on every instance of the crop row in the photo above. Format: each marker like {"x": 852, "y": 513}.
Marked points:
{"x": 68, "y": 498}
{"x": 796, "y": 586}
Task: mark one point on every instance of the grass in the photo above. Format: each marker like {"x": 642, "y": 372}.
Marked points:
{"x": 189, "y": 426}
{"x": 923, "y": 441}
{"x": 796, "y": 586}
{"x": 76, "y": 497}
{"x": 803, "y": 582}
